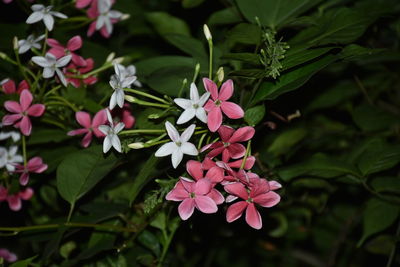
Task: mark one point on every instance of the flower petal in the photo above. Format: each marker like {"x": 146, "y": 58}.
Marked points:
{"x": 215, "y": 174}
{"x": 187, "y": 133}
{"x": 172, "y": 132}
{"x": 87, "y": 139}
{"x": 14, "y": 202}
{"x": 186, "y": 208}
{"x": 236, "y": 150}
{"x": 235, "y": 211}
{"x": 25, "y": 99}
{"x": 194, "y": 168}
{"x": 116, "y": 143}
{"x": 232, "y": 110}
{"x": 202, "y": 187}
{"x": 267, "y": 200}
{"x": 176, "y": 157}
{"x": 211, "y": 87}
{"x": 11, "y": 119}
{"x": 253, "y": 217}
{"x": 83, "y": 118}
{"x": 205, "y": 204}
{"x": 13, "y": 106}
{"x": 194, "y": 93}
{"x": 237, "y": 189}
{"x": 226, "y": 132}
{"x": 26, "y": 126}
{"x": 186, "y": 115}
{"x": 201, "y": 114}
{"x": 214, "y": 119}
{"x": 226, "y": 90}
{"x": 166, "y": 149}
{"x": 74, "y": 43}
{"x": 36, "y": 110}
{"x": 189, "y": 149}
{"x": 216, "y": 196}
{"x": 183, "y": 103}
{"x": 100, "y": 118}
{"x": 242, "y": 134}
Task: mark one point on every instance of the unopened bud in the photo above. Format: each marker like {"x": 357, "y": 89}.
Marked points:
{"x": 220, "y": 74}
{"x": 137, "y": 145}
{"x": 154, "y": 116}
{"x": 197, "y": 68}
{"x": 207, "y": 32}
{"x": 125, "y": 16}
{"x": 15, "y": 43}
{"x": 2, "y": 55}
{"x": 118, "y": 60}
{"x": 130, "y": 98}
{"x": 110, "y": 57}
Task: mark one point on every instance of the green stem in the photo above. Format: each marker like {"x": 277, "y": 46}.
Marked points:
{"x": 24, "y": 149}
{"x": 150, "y": 104}
{"x": 146, "y": 95}
{"x": 393, "y": 252}
{"x": 52, "y": 90}
{"x": 22, "y": 70}
{"x": 46, "y": 35}
{"x": 246, "y": 154}
{"x": 139, "y": 131}
{"x": 166, "y": 247}
{"x": 67, "y": 103}
{"x": 71, "y": 210}
{"x": 210, "y": 46}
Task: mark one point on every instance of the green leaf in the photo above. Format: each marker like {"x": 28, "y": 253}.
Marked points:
{"x": 354, "y": 52}
{"x": 291, "y": 80}
{"x": 224, "y": 16}
{"x": 150, "y": 241}
{"x": 379, "y": 158}
{"x": 191, "y": 3}
{"x": 169, "y": 80}
{"x": 143, "y": 177}
{"x": 45, "y": 136}
{"x": 81, "y": 171}
{"x": 286, "y": 140}
{"x": 245, "y": 57}
{"x": 370, "y": 118}
{"x": 244, "y": 33}
{"x": 378, "y": 215}
{"x": 386, "y": 184}
{"x": 274, "y": 13}
{"x": 164, "y": 23}
{"x": 24, "y": 263}
{"x": 297, "y": 57}
{"x": 188, "y": 45}
{"x": 382, "y": 244}
{"x": 254, "y": 115}
{"x": 150, "y": 65}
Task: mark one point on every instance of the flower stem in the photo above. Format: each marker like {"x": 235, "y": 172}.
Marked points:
{"x": 22, "y": 70}
{"x": 46, "y": 35}
{"x": 246, "y": 155}
{"x": 67, "y": 103}
{"x": 24, "y": 149}
{"x": 146, "y": 95}
{"x": 71, "y": 210}
{"x": 166, "y": 246}
{"x": 210, "y": 46}
{"x": 139, "y": 131}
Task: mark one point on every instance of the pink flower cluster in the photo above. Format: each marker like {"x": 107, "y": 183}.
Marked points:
{"x": 78, "y": 65}
{"x": 231, "y": 170}
{"x": 14, "y": 200}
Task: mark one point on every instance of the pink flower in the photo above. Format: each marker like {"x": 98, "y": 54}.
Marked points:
{"x": 218, "y": 104}
{"x": 14, "y": 200}
{"x": 229, "y": 146}
{"x": 90, "y": 126}
{"x": 215, "y": 175}
{"x": 193, "y": 195}
{"x": 71, "y": 70}
{"x": 260, "y": 193}
{"x": 22, "y": 111}
{"x": 6, "y": 254}
{"x": 34, "y": 165}
{"x": 73, "y": 44}
{"x": 10, "y": 88}
{"x": 83, "y": 3}
{"x": 124, "y": 114}
{"x": 209, "y": 163}
{"x": 104, "y": 19}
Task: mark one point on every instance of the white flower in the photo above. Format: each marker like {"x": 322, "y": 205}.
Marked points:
{"x": 179, "y": 144}
{"x": 193, "y": 106}
{"x": 51, "y": 64}
{"x": 111, "y": 133}
{"x": 118, "y": 82}
{"x": 13, "y": 134}
{"x": 40, "y": 12}
{"x": 130, "y": 71}
{"x": 106, "y": 15}
{"x": 9, "y": 158}
{"x": 31, "y": 41}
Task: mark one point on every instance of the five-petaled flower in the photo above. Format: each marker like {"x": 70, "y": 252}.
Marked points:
{"x": 73, "y": 44}
{"x": 105, "y": 17}
{"x": 9, "y": 86}
{"x": 218, "y": 104}
{"x": 193, "y": 195}
{"x": 51, "y": 65}
{"x": 14, "y": 200}
{"x": 90, "y": 127}
{"x": 40, "y": 12}
{"x": 111, "y": 131}
{"x": 29, "y": 43}
{"x": 22, "y": 111}
{"x": 179, "y": 144}
{"x": 34, "y": 165}
{"x": 118, "y": 82}
{"x": 9, "y": 158}
{"x": 193, "y": 106}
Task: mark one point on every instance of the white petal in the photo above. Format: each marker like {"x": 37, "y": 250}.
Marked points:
{"x": 48, "y": 72}
{"x": 41, "y": 61}
{"x": 34, "y": 17}
{"x": 23, "y": 47}
{"x": 183, "y": 103}
{"x": 4, "y": 136}
{"x": 201, "y": 114}
{"x": 104, "y": 6}
{"x": 105, "y": 129}
{"x": 12, "y": 151}
{"x": 58, "y": 14}
{"x": 40, "y": 38}
{"x": 108, "y": 24}
{"x": 114, "y": 14}
{"x": 131, "y": 70}
{"x": 37, "y": 7}
{"x": 37, "y": 46}
{"x": 15, "y": 136}
{"x": 113, "y": 100}
{"x": 63, "y": 61}
{"x": 100, "y": 22}
{"x": 106, "y": 144}
{"x": 176, "y": 157}
{"x": 119, "y": 69}
{"x": 203, "y": 99}
{"x": 187, "y": 133}
{"x": 189, "y": 149}
{"x": 109, "y": 117}
{"x": 128, "y": 81}
{"x": 172, "y": 132}
{"x": 119, "y": 127}
{"x": 120, "y": 95}
{"x": 194, "y": 93}
{"x": 186, "y": 115}
{"x": 10, "y": 167}
{"x": 61, "y": 76}
{"x": 166, "y": 149}
{"x": 116, "y": 143}
{"x": 48, "y": 21}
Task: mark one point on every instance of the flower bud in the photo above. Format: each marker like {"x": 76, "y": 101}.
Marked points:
{"x": 207, "y": 32}
{"x": 2, "y": 55}
{"x": 220, "y": 74}
{"x": 130, "y": 98}
{"x": 118, "y": 60}
{"x": 125, "y": 17}
{"x": 137, "y": 145}
{"x": 154, "y": 116}
{"x": 110, "y": 57}
{"x": 15, "y": 43}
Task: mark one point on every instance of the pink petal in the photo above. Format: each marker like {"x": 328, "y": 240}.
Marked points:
{"x": 25, "y": 126}
{"x": 127, "y": 118}
{"x": 22, "y": 86}
{"x": 186, "y": 208}
{"x": 215, "y": 152}
{"x": 54, "y": 43}
{"x": 267, "y": 200}
{"x": 13, "y": 106}
{"x": 89, "y": 81}
{"x": 14, "y": 202}
{"x": 36, "y": 165}
{"x": 25, "y": 99}
{"x": 3, "y": 193}
{"x": 242, "y": 134}
{"x": 209, "y": 105}
{"x": 202, "y": 187}
{"x": 194, "y": 168}
{"x": 226, "y": 90}
{"x": 77, "y": 132}
{"x": 253, "y": 217}
{"x": 226, "y": 155}
{"x": 274, "y": 185}
{"x": 178, "y": 193}
{"x": 92, "y": 27}
{"x": 235, "y": 211}
{"x": 100, "y": 118}
{"x": 74, "y": 43}
{"x": 187, "y": 184}
{"x": 258, "y": 186}
{"x": 211, "y": 87}
{"x": 82, "y": 3}
{"x": 208, "y": 163}
{"x": 98, "y": 133}
{"x": 226, "y": 132}
{"x": 236, "y": 150}
{"x": 87, "y": 139}
{"x": 78, "y": 60}
{"x": 88, "y": 66}
{"x": 238, "y": 163}
{"x": 237, "y": 189}
{"x": 9, "y": 87}
{"x": 11, "y": 119}
{"x": 216, "y": 196}
{"x": 83, "y": 119}
{"x": 215, "y": 174}
{"x": 205, "y": 204}
{"x": 36, "y": 110}
{"x": 232, "y": 110}
{"x": 24, "y": 178}
{"x": 214, "y": 119}
{"x": 57, "y": 52}
{"x": 26, "y": 194}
